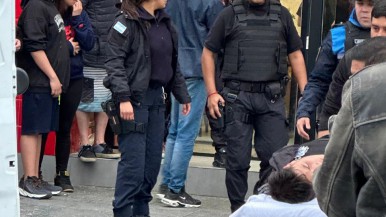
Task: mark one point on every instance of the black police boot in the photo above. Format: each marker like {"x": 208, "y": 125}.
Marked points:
{"x": 220, "y": 158}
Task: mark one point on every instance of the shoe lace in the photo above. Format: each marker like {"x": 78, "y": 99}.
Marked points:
{"x": 82, "y": 150}
{"x": 42, "y": 182}
{"x": 36, "y": 182}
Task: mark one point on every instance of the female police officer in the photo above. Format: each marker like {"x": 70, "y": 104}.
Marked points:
{"x": 141, "y": 64}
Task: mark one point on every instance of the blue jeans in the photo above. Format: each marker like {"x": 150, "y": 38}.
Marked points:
{"x": 182, "y": 134}
{"x": 141, "y": 155}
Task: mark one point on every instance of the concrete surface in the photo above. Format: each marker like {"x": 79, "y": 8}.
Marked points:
{"x": 88, "y": 201}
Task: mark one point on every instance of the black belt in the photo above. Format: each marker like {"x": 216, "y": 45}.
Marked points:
{"x": 253, "y": 87}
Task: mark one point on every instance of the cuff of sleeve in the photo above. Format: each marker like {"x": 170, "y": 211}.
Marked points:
{"x": 185, "y": 100}
{"x": 123, "y": 97}
{"x": 302, "y": 115}
{"x": 211, "y": 48}
{"x": 70, "y": 48}
{"x": 33, "y": 48}
{"x": 76, "y": 20}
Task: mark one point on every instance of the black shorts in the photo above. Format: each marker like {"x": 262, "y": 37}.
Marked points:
{"x": 40, "y": 113}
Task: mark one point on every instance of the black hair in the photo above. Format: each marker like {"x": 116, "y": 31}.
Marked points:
{"x": 378, "y": 57}
{"x": 289, "y": 187}
{"x": 379, "y": 9}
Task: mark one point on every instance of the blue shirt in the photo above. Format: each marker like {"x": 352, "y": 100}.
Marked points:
{"x": 193, "y": 20}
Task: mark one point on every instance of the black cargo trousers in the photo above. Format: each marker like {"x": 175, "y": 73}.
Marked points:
{"x": 246, "y": 111}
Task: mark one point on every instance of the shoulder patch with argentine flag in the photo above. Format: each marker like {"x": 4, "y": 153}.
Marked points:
{"x": 120, "y": 27}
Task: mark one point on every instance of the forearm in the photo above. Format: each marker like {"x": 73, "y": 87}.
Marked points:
{"x": 208, "y": 70}
{"x": 299, "y": 69}
{"x": 43, "y": 63}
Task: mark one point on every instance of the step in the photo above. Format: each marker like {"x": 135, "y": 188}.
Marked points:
{"x": 203, "y": 179}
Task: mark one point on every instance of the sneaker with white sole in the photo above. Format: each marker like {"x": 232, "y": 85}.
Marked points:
{"x": 87, "y": 154}
{"x": 55, "y": 190}
{"x": 180, "y": 199}
{"x": 163, "y": 189}
{"x": 104, "y": 151}
{"x": 32, "y": 188}
{"x": 62, "y": 179}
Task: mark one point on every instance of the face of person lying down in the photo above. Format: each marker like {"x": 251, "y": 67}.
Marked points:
{"x": 306, "y": 166}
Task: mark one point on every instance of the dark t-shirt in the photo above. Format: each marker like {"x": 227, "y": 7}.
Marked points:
{"x": 223, "y": 27}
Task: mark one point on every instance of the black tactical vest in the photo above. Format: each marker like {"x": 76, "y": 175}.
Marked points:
{"x": 354, "y": 35}
{"x": 256, "y": 51}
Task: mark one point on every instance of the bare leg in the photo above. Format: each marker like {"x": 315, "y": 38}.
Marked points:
{"x": 101, "y": 120}
{"x": 83, "y": 125}
{"x": 30, "y": 154}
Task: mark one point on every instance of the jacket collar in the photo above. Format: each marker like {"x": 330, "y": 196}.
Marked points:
{"x": 159, "y": 15}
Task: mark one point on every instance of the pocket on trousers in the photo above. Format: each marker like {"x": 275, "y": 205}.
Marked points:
{"x": 88, "y": 90}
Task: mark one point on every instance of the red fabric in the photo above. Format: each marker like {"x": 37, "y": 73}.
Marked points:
{"x": 18, "y": 9}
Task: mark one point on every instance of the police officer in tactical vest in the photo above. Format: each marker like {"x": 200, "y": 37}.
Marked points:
{"x": 258, "y": 38}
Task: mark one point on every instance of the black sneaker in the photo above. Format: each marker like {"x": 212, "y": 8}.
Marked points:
{"x": 32, "y": 187}
{"x": 87, "y": 154}
{"x": 104, "y": 151}
{"x": 62, "y": 179}
{"x": 180, "y": 199}
{"x": 220, "y": 158}
{"x": 55, "y": 190}
{"x": 163, "y": 189}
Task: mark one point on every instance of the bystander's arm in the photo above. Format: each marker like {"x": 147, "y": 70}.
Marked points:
{"x": 43, "y": 63}
{"x": 208, "y": 72}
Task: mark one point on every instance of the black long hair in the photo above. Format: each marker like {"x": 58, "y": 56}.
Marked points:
{"x": 129, "y": 7}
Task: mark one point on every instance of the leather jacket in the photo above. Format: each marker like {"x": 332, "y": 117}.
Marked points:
{"x": 352, "y": 179}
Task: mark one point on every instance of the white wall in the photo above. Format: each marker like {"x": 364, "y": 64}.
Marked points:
{"x": 9, "y": 197}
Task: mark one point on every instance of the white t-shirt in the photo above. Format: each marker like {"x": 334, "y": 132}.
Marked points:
{"x": 263, "y": 205}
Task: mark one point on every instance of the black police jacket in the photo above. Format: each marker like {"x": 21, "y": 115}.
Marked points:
{"x": 128, "y": 62}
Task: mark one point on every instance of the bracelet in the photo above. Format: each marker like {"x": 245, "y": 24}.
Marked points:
{"x": 211, "y": 94}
